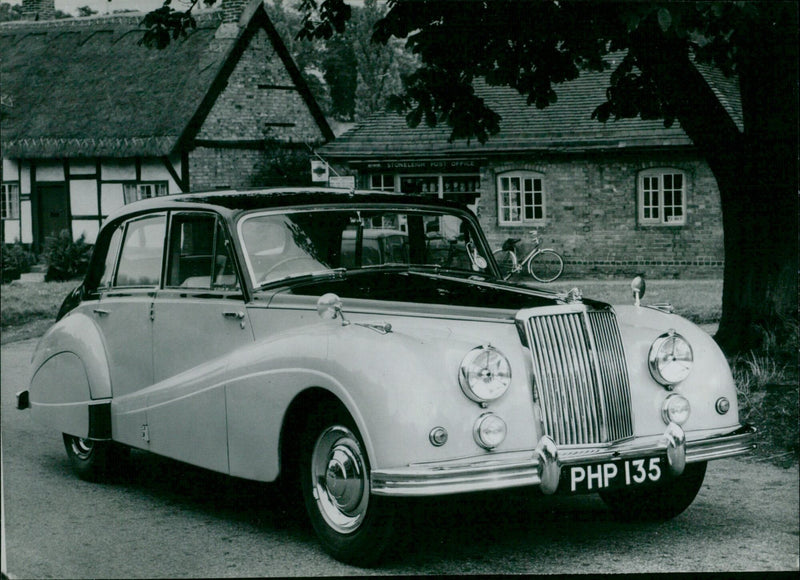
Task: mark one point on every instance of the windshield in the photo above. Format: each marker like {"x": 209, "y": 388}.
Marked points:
{"x": 279, "y": 246}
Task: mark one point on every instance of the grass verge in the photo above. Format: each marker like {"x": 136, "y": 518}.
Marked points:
{"x": 28, "y": 309}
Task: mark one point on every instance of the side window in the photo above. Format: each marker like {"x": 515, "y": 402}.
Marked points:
{"x": 111, "y": 259}
{"x": 225, "y": 277}
{"x": 191, "y": 251}
{"x": 199, "y": 254}
{"x": 142, "y": 249}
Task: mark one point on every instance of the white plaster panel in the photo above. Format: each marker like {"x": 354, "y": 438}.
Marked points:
{"x": 111, "y": 197}
{"x": 111, "y": 170}
{"x": 50, "y": 171}
{"x": 83, "y": 196}
{"x": 88, "y": 227}
{"x": 11, "y": 230}
{"x": 25, "y": 179}
{"x": 10, "y": 169}
{"x": 27, "y": 221}
{"x": 82, "y": 167}
{"x": 154, "y": 170}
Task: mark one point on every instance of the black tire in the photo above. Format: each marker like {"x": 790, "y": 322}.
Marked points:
{"x": 659, "y": 502}
{"x": 546, "y": 266}
{"x": 353, "y": 526}
{"x": 506, "y": 261}
{"x": 95, "y": 460}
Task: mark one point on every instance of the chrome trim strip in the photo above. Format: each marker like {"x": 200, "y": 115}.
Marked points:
{"x": 521, "y": 468}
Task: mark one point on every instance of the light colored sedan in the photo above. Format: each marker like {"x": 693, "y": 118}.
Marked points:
{"x": 364, "y": 348}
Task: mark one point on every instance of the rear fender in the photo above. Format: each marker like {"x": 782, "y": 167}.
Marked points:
{"x": 71, "y": 387}
{"x": 77, "y": 334}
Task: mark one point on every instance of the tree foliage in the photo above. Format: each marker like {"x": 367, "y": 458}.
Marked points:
{"x": 533, "y": 46}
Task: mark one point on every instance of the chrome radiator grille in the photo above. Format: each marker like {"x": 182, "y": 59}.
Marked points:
{"x": 580, "y": 375}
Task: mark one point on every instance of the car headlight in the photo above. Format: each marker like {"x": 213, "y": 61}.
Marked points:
{"x": 485, "y": 374}
{"x": 671, "y": 359}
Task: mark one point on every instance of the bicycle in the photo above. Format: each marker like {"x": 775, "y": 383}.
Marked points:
{"x": 543, "y": 264}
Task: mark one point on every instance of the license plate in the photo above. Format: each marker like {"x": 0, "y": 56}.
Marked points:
{"x": 612, "y": 474}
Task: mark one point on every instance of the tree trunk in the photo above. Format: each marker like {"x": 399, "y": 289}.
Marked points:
{"x": 756, "y": 172}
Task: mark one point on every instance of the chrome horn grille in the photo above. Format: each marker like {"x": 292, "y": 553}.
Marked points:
{"x": 580, "y": 375}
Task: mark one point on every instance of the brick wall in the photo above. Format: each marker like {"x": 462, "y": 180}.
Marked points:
{"x": 592, "y": 216}
{"x": 259, "y": 105}
{"x": 214, "y": 168}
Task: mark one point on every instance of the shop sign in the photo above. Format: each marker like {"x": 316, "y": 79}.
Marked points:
{"x": 446, "y": 165}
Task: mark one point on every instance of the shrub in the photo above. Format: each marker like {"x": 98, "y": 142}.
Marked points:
{"x": 16, "y": 260}
{"x": 66, "y": 259}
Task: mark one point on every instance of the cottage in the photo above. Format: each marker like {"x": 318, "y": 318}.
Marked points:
{"x": 92, "y": 120}
{"x": 622, "y": 197}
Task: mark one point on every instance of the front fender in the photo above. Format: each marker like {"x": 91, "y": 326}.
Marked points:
{"x": 402, "y": 384}
{"x": 709, "y": 379}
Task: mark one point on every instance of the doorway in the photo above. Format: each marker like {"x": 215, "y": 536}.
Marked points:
{"x": 53, "y": 210}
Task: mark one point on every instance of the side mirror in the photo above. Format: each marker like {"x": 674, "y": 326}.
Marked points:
{"x": 638, "y": 286}
{"x": 329, "y": 306}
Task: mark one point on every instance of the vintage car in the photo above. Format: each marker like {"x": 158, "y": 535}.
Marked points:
{"x": 290, "y": 333}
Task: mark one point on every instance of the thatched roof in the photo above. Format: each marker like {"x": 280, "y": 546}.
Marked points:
{"x": 85, "y": 87}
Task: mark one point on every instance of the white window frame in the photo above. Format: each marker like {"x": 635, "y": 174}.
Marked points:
{"x": 654, "y": 186}
{"x": 10, "y": 200}
{"x": 144, "y": 190}
{"x": 514, "y": 212}
{"x": 387, "y": 181}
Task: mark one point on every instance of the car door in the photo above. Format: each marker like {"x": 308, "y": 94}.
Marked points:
{"x": 199, "y": 318}
{"x": 123, "y": 315}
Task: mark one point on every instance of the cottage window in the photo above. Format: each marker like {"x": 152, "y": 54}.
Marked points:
{"x": 662, "y": 197}
{"x": 136, "y": 191}
{"x": 381, "y": 182}
{"x": 520, "y": 198}
{"x": 10, "y": 201}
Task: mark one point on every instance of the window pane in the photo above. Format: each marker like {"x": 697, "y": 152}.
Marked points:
{"x": 140, "y": 262}
{"x": 224, "y": 268}
{"x": 191, "y": 251}
{"x": 111, "y": 258}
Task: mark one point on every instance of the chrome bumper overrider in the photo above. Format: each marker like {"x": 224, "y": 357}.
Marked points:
{"x": 542, "y": 467}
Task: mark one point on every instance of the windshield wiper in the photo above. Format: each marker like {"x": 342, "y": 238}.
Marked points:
{"x": 330, "y": 274}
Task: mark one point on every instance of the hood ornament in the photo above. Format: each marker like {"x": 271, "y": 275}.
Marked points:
{"x": 571, "y": 297}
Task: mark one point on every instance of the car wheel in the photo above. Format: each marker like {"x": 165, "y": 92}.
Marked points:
{"x": 659, "y": 502}
{"x": 353, "y": 526}
{"x": 94, "y": 460}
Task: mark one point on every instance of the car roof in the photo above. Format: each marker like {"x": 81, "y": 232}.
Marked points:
{"x": 235, "y": 201}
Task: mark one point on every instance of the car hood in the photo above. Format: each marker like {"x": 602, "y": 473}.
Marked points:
{"x": 423, "y": 293}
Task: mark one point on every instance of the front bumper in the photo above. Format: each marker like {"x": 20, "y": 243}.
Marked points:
{"x": 542, "y": 467}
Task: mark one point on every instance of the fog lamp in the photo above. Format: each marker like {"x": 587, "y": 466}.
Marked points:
{"x": 723, "y": 405}
{"x": 490, "y": 431}
{"x": 675, "y": 409}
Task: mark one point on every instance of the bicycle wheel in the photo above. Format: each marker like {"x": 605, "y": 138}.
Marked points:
{"x": 546, "y": 266}
{"x": 506, "y": 261}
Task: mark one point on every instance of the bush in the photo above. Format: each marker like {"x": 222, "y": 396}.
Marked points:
{"x": 16, "y": 260}
{"x": 66, "y": 259}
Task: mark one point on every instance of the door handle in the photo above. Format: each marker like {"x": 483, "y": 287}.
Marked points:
{"x": 100, "y": 312}
{"x": 230, "y": 314}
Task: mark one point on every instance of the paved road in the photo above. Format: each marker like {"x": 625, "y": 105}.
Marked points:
{"x": 171, "y": 520}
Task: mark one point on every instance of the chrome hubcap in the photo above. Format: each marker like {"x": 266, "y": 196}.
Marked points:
{"x": 82, "y": 448}
{"x": 339, "y": 474}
